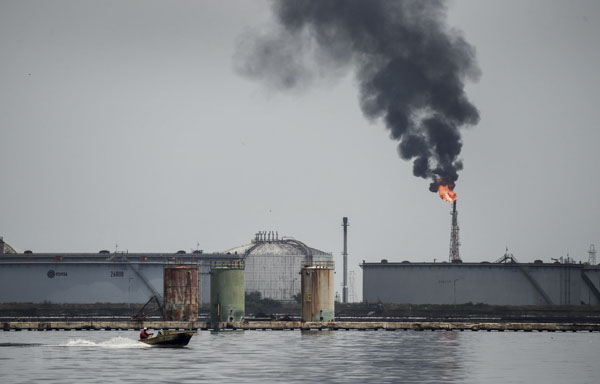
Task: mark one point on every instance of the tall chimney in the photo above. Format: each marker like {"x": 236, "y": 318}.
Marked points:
{"x": 345, "y": 254}
{"x": 454, "y": 243}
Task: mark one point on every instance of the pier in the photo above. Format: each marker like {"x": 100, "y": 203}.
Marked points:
{"x": 298, "y": 325}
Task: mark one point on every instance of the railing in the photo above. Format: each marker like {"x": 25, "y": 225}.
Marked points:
{"x": 228, "y": 264}
{"x": 329, "y": 264}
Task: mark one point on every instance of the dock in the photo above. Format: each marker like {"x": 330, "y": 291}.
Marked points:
{"x": 302, "y": 326}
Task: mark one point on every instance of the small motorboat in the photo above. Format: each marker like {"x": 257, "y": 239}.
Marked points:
{"x": 169, "y": 339}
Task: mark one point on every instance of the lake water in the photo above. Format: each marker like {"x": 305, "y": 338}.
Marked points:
{"x": 295, "y": 356}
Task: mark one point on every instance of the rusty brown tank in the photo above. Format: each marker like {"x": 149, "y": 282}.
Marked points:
{"x": 180, "y": 293}
{"x": 318, "y": 295}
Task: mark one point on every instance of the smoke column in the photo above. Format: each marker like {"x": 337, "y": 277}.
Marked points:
{"x": 410, "y": 67}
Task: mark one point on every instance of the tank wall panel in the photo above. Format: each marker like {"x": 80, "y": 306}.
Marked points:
{"x": 203, "y": 284}
{"x": 227, "y": 300}
{"x": 586, "y": 294}
{"x": 275, "y": 277}
{"x": 318, "y": 294}
{"x": 91, "y": 278}
{"x": 180, "y": 293}
{"x": 77, "y": 283}
{"x": 486, "y": 283}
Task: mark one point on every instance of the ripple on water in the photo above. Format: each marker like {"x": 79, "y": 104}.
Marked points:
{"x": 299, "y": 357}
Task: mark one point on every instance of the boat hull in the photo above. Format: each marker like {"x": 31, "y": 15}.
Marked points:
{"x": 170, "y": 339}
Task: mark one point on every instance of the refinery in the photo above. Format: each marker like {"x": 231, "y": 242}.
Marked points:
{"x": 504, "y": 281}
{"x": 171, "y": 288}
{"x": 286, "y": 270}
{"x": 271, "y": 266}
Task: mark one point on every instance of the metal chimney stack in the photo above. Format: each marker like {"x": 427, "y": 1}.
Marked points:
{"x": 454, "y": 242}
{"x": 345, "y": 255}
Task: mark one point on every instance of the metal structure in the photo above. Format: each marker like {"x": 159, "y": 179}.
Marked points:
{"x": 503, "y": 283}
{"x": 352, "y": 287}
{"x": 227, "y": 293}
{"x": 273, "y": 264}
{"x": 318, "y": 292}
{"x": 97, "y": 277}
{"x": 592, "y": 255}
{"x": 153, "y": 305}
{"x": 507, "y": 258}
{"x": 454, "y": 241}
{"x": 180, "y": 293}
{"x": 345, "y": 255}
{"x": 5, "y": 248}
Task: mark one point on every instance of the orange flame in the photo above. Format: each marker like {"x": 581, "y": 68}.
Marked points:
{"x": 446, "y": 193}
{"x": 445, "y": 187}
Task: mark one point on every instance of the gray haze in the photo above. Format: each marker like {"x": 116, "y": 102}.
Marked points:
{"x": 125, "y": 122}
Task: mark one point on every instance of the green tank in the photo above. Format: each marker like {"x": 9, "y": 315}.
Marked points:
{"x": 227, "y": 293}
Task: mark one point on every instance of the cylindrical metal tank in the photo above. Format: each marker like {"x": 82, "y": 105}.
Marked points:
{"x": 227, "y": 292}
{"x": 318, "y": 295}
{"x": 180, "y": 293}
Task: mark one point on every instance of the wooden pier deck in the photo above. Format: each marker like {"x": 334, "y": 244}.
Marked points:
{"x": 297, "y": 325}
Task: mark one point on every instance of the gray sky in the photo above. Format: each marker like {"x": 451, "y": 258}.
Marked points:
{"x": 124, "y": 122}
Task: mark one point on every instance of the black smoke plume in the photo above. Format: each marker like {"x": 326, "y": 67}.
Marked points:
{"x": 410, "y": 66}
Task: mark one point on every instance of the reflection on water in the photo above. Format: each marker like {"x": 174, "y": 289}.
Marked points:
{"x": 20, "y": 345}
{"x": 302, "y": 356}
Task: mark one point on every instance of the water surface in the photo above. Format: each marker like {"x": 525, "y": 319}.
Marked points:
{"x": 295, "y": 357}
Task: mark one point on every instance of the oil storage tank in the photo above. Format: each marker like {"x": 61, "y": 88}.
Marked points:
{"x": 180, "y": 293}
{"x": 498, "y": 283}
{"x": 227, "y": 292}
{"x": 318, "y": 295}
{"x": 96, "y": 278}
{"x": 273, "y": 263}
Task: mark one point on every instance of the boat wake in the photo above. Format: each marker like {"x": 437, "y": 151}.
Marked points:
{"x": 115, "y": 342}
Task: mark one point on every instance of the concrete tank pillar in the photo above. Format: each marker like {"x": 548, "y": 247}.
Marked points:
{"x": 227, "y": 292}
{"x": 318, "y": 295}
{"x": 180, "y": 293}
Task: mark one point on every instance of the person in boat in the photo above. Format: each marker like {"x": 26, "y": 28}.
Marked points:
{"x": 144, "y": 334}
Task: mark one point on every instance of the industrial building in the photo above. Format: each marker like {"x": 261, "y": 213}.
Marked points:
{"x": 94, "y": 277}
{"x": 506, "y": 283}
{"x": 503, "y": 282}
{"x": 273, "y": 264}
{"x": 272, "y": 268}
